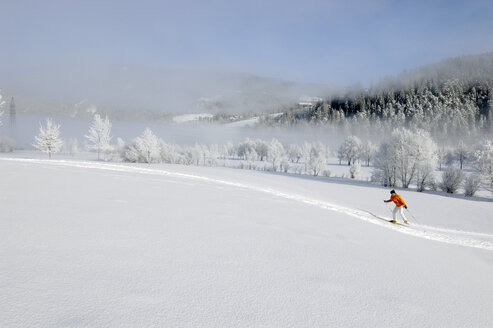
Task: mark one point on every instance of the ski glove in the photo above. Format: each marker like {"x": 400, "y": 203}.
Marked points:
{"x": 405, "y": 206}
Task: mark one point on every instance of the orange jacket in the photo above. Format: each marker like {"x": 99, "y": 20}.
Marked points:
{"x": 398, "y": 201}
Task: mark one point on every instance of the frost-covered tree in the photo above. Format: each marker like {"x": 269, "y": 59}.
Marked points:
{"x": 461, "y": 153}
{"x": 483, "y": 157}
{"x": 99, "y": 135}
{"x": 408, "y": 155}
{"x": 317, "y": 161}
{"x": 275, "y": 153}
{"x": 213, "y": 154}
{"x": 169, "y": 153}
{"x": 306, "y": 153}
{"x": 2, "y": 102}
{"x": 340, "y": 154}
{"x": 415, "y": 155}
{"x": 368, "y": 152}
{"x": 192, "y": 155}
{"x": 262, "y": 149}
{"x": 204, "y": 152}
{"x": 245, "y": 147}
{"x": 351, "y": 149}
{"x": 294, "y": 153}
{"x": 145, "y": 148}
{"x": 251, "y": 156}
{"x": 48, "y": 140}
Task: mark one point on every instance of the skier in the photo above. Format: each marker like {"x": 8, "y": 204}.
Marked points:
{"x": 399, "y": 203}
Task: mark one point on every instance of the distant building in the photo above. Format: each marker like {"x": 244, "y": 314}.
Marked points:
{"x": 12, "y": 112}
{"x": 309, "y": 101}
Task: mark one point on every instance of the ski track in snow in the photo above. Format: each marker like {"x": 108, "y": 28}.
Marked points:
{"x": 456, "y": 237}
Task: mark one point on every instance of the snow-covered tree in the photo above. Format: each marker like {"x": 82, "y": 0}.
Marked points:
{"x": 213, "y": 154}
{"x": 192, "y": 155}
{"x": 245, "y": 147}
{"x": 306, "y": 153}
{"x": 351, "y": 149}
{"x": 275, "y": 152}
{"x": 145, "y": 148}
{"x": 99, "y": 135}
{"x": 251, "y": 156}
{"x": 340, "y": 154}
{"x": 294, "y": 153}
{"x": 169, "y": 153}
{"x": 385, "y": 166}
{"x": 2, "y": 102}
{"x": 461, "y": 153}
{"x": 368, "y": 152}
{"x": 483, "y": 157}
{"x": 407, "y": 156}
{"x": 262, "y": 149}
{"x": 48, "y": 140}
{"x": 317, "y": 161}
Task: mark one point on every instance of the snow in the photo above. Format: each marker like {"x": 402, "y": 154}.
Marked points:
{"x": 86, "y": 244}
{"x": 191, "y": 117}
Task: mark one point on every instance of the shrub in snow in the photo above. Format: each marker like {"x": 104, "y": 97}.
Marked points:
{"x": 471, "y": 185}
{"x": 326, "y": 173}
{"x": 451, "y": 179}
{"x": 144, "y": 149}
{"x": 48, "y": 140}
{"x": 354, "y": 170}
{"x": 100, "y": 135}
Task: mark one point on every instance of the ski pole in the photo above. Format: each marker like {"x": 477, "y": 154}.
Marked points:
{"x": 412, "y": 215}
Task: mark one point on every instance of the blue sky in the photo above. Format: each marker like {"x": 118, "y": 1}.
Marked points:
{"x": 341, "y": 42}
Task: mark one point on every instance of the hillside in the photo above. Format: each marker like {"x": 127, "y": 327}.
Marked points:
{"x": 119, "y": 245}
{"x": 451, "y": 97}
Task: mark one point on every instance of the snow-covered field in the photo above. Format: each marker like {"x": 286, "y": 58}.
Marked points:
{"x": 91, "y": 244}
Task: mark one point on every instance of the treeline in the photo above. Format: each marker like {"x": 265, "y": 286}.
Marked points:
{"x": 409, "y": 157}
{"x": 454, "y": 97}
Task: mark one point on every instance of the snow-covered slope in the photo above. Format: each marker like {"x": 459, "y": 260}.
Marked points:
{"x": 87, "y": 244}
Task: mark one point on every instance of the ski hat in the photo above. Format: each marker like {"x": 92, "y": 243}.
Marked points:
{"x": 392, "y": 191}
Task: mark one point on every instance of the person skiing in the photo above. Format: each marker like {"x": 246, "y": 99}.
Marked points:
{"x": 399, "y": 204}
